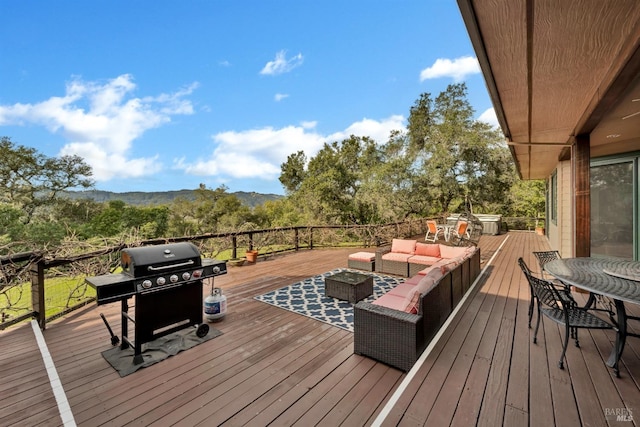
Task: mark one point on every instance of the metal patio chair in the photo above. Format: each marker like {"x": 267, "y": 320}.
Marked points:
{"x": 545, "y": 257}
{"x": 555, "y": 305}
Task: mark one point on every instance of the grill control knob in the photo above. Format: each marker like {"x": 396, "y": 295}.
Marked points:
{"x": 174, "y": 278}
{"x": 197, "y": 274}
{"x": 161, "y": 281}
{"x": 186, "y": 275}
{"x": 216, "y": 270}
{"x": 147, "y": 284}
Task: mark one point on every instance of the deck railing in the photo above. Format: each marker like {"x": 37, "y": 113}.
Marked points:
{"x": 45, "y": 286}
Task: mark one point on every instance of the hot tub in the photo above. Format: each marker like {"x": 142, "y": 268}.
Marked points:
{"x": 491, "y": 223}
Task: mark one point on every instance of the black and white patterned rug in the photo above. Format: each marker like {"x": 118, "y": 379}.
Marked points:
{"x": 307, "y": 298}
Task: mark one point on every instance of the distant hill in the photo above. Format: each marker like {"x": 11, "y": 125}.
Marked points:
{"x": 141, "y": 198}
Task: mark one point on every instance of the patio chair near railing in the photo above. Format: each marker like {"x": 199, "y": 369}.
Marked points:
{"x": 555, "y": 305}
{"x": 434, "y": 230}
{"x": 466, "y": 231}
{"x": 458, "y": 232}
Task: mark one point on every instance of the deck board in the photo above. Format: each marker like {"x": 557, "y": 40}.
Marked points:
{"x": 275, "y": 367}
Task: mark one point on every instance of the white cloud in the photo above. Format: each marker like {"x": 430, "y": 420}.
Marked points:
{"x": 457, "y": 69}
{"x": 107, "y": 164}
{"x": 281, "y": 64}
{"x": 254, "y": 153}
{"x": 101, "y": 121}
{"x": 489, "y": 116}
{"x": 280, "y": 96}
{"x": 258, "y": 153}
{"x": 377, "y": 130}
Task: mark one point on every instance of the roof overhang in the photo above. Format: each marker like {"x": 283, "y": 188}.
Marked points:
{"x": 558, "y": 69}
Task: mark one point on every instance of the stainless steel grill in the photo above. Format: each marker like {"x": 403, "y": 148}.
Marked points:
{"x": 166, "y": 282}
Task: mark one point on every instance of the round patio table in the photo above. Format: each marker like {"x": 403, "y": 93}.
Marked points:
{"x": 616, "y": 279}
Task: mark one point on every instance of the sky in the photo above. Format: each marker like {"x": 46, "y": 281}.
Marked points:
{"x": 159, "y": 95}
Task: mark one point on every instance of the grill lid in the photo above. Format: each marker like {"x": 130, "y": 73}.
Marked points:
{"x": 150, "y": 260}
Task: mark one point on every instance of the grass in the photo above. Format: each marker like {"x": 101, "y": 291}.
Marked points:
{"x": 61, "y": 293}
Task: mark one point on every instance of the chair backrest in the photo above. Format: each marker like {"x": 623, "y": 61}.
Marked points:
{"x": 545, "y": 257}
{"x": 461, "y": 227}
{"x": 543, "y": 289}
{"x": 433, "y": 226}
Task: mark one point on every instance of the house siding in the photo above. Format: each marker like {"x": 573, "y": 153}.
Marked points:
{"x": 561, "y": 232}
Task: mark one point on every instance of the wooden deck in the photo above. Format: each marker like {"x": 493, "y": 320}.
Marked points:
{"x": 275, "y": 367}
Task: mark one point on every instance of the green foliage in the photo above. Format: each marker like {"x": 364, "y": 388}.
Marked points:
{"x": 526, "y": 199}
{"x": 30, "y": 180}
{"x": 212, "y": 211}
{"x": 335, "y": 187}
{"x": 157, "y": 198}
{"x": 459, "y": 160}
{"x": 280, "y": 213}
{"x": 445, "y": 161}
{"x": 293, "y": 172}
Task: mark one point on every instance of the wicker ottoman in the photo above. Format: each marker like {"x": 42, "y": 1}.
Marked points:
{"x": 348, "y": 286}
{"x": 362, "y": 261}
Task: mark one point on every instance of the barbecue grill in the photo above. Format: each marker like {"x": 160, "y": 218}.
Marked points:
{"x": 166, "y": 282}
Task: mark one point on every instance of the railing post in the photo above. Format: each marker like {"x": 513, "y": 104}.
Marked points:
{"x": 234, "y": 250}
{"x": 296, "y": 239}
{"x": 311, "y": 238}
{"x": 37, "y": 292}
{"x": 250, "y": 241}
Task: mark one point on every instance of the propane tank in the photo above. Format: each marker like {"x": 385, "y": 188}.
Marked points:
{"x": 215, "y": 305}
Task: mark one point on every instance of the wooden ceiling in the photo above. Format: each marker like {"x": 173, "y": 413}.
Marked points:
{"x": 556, "y": 69}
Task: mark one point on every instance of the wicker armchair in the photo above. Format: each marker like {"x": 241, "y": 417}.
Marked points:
{"x": 399, "y": 268}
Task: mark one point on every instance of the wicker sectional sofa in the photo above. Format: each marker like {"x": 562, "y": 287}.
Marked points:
{"x": 397, "y": 327}
{"x": 407, "y": 257}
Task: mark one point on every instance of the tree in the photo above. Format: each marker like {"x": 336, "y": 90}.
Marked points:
{"x": 293, "y": 172}
{"x": 526, "y": 198}
{"x": 279, "y": 213}
{"x": 329, "y": 190}
{"x": 444, "y": 161}
{"x": 211, "y": 211}
{"x": 30, "y": 180}
{"x": 456, "y": 158}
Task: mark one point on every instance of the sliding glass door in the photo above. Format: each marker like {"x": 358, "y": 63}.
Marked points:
{"x": 614, "y": 224}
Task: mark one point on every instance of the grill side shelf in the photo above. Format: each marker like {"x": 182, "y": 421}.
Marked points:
{"x": 112, "y": 287}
